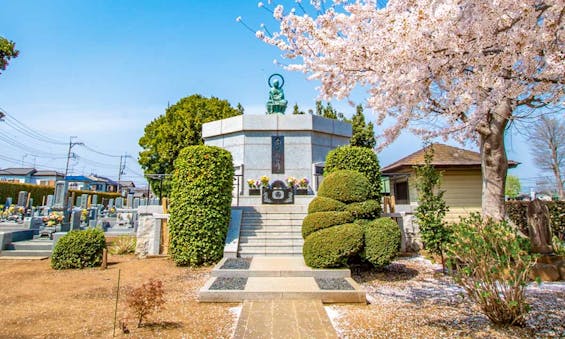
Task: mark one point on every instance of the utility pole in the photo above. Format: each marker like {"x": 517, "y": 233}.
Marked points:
{"x": 66, "y": 213}
{"x": 121, "y": 171}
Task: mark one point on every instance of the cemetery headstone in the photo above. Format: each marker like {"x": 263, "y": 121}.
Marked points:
{"x": 119, "y": 202}
{"x": 130, "y": 201}
{"x": 50, "y": 200}
{"x": 83, "y": 201}
{"x": 22, "y": 198}
{"x": 8, "y": 202}
{"x": 110, "y": 203}
{"x": 75, "y": 219}
{"x": 60, "y": 192}
{"x": 95, "y": 199}
{"x": 136, "y": 202}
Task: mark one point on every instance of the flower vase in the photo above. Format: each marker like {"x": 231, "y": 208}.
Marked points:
{"x": 254, "y": 191}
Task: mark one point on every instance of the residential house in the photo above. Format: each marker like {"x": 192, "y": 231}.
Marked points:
{"x": 80, "y": 182}
{"x": 102, "y": 184}
{"x": 461, "y": 179}
{"x": 126, "y": 186}
{"x": 30, "y": 176}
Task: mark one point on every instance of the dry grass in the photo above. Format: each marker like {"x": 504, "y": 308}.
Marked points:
{"x": 37, "y": 301}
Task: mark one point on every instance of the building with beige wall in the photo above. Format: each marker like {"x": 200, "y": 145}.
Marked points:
{"x": 461, "y": 179}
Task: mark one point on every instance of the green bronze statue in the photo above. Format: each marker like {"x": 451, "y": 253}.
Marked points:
{"x": 276, "y": 103}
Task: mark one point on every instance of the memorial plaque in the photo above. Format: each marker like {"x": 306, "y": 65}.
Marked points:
{"x": 277, "y": 154}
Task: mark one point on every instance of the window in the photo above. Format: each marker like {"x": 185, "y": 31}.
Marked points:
{"x": 401, "y": 192}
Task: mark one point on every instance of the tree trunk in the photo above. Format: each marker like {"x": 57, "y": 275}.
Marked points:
{"x": 494, "y": 163}
{"x": 558, "y": 181}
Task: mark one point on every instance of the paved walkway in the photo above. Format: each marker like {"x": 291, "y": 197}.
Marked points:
{"x": 284, "y": 319}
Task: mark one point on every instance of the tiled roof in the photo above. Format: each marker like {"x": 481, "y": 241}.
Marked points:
{"x": 17, "y": 171}
{"x": 48, "y": 173}
{"x": 444, "y": 156}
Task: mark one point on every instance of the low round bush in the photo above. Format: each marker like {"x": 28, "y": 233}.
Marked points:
{"x": 323, "y": 204}
{"x": 79, "y": 249}
{"x": 332, "y": 247}
{"x": 369, "y": 209}
{"x": 320, "y": 220}
{"x": 382, "y": 241}
{"x": 345, "y": 186}
{"x": 360, "y": 159}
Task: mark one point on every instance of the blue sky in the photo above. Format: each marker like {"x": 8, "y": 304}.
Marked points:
{"x": 102, "y": 70}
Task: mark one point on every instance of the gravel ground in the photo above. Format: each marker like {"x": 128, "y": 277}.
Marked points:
{"x": 333, "y": 284}
{"x": 411, "y": 298}
{"x": 236, "y": 264}
{"x": 228, "y": 283}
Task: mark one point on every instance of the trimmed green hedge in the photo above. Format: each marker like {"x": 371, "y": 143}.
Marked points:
{"x": 517, "y": 212}
{"x": 323, "y": 204}
{"x": 382, "y": 241}
{"x": 320, "y": 220}
{"x": 79, "y": 249}
{"x": 369, "y": 209}
{"x": 201, "y": 197}
{"x": 38, "y": 192}
{"x": 10, "y": 189}
{"x": 332, "y": 247}
{"x": 346, "y": 186}
{"x": 361, "y": 159}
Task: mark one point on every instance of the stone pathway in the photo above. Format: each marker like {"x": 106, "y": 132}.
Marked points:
{"x": 284, "y": 319}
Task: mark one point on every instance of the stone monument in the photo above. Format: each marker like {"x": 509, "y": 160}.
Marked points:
{"x": 276, "y": 103}
{"x": 275, "y": 145}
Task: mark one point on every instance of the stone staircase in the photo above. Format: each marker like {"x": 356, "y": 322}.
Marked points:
{"x": 36, "y": 248}
{"x": 271, "y": 230}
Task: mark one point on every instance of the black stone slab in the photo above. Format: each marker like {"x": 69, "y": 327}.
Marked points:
{"x": 236, "y": 264}
{"x": 228, "y": 283}
{"x": 333, "y": 284}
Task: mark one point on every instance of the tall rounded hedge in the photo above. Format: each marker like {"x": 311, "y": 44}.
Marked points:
{"x": 79, "y": 249}
{"x": 323, "y": 204}
{"x": 361, "y": 159}
{"x": 382, "y": 241}
{"x": 201, "y": 197}
{"x": 345, "y": 186}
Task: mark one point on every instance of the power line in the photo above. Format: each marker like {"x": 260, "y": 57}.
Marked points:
{"x": 26, "y": 130}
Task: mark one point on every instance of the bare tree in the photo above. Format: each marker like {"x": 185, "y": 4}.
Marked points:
{"x": 547, "y": 139}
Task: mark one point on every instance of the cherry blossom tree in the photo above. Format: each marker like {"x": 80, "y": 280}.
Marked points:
{"x": 452, "y": 68}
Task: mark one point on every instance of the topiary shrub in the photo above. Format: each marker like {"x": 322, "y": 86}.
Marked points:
{"x": 323, "y": 204}
{"x": 320, "y": 220}
{"x": 79, "y": 249}
{"x": 382, "y": 241}
{"x": 369, "y": 209}
{"x": 360, "y": 159}
{"x": 345, "y": 186}
{"x": 201, "y": 197}
{"x": 332, "y": 247}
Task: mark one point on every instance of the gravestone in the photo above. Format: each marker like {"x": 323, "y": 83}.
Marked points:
{"x": 136, "y": 202}
{"x": 539, "y": 227}
{"x": 8, "y": 202}
{"x": 119, "y": 202}
{"x": 30, "y": 204}
{"x": 22, "y": 198}
{"x": 60, "y": 192}
{"x": 130, "y": 200}
{"x": 50, "y": 200}
{"x": 75, "y": 219}
{"x": 278, "y": 193}
{"x": 110, "y": 203}
{"x": 277, "y": 154}
{"x": 83, "y": 201}
{"x": 95, "y": 199}
{"x": 142, "y": 202}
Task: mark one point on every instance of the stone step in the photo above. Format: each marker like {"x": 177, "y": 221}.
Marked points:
{"x": 279, "y": 266}
{"x": 274, "y": 215}
{"x": 263, "y": 232}
{"x": 272, "y": 222}
{"x": 270, "y": 251}
{"x": 276, "y": 236}
{"x": 25, "y": 253}
{"x": 270, "y": 228}
{"x": 36, "y": 245}
{"x": 263, "y": 288}
{"x": 271, "y": 243}
{"x": 276, "y": 209}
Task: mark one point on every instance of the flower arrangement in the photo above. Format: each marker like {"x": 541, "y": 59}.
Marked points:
{"x": 264, "y": 181}
{"x": 53, "y": 219}
{"x": 253, "y": 184}
{"x": 291, "y": 181}
{"x": 83, "y": 215}
{"x": 303, "y": 183}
